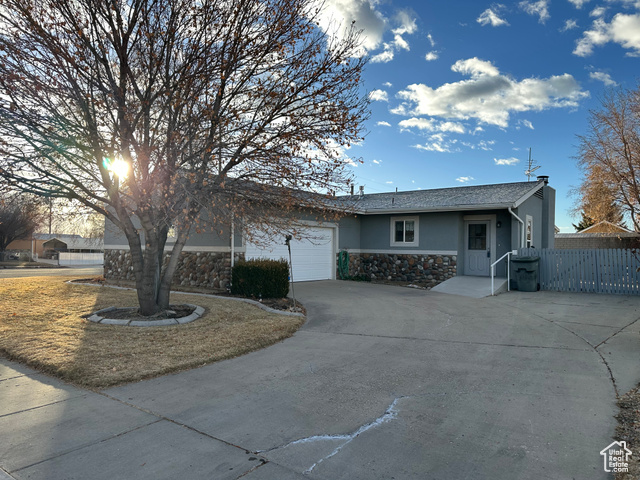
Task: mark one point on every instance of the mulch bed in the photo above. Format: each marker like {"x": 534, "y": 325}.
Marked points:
{"x": 174, "y": 311}
{"x": 284, "y": 304}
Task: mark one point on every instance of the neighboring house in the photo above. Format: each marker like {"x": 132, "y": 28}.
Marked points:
{"x": 605, "y": 227}
{"x": 601, "y": 235}
{"x": 424, "y": 236}
{"x": 40, "y": 242}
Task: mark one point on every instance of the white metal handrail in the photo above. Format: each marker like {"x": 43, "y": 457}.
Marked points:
{"x": 493, "y": 266}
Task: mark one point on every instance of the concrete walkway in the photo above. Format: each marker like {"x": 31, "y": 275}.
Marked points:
{"x": 474, "y": 287}
{"x": 382, "y": 382}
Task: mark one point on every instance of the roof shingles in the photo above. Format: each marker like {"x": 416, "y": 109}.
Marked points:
{"x": 468, "y": 197}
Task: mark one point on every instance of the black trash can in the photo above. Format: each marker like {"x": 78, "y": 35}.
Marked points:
{"x": 526, "y": 273}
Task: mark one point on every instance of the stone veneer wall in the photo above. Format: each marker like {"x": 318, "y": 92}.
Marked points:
{"x": 195, "y": 269}
{"x": 428, "y": 270}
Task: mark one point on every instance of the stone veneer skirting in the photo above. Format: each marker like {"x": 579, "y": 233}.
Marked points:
{"x": 428, "y": 270}
{"x": 195, "y": 269}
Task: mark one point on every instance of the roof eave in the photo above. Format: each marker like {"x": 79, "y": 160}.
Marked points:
{"x": 452, "y": 208}
{"x": 536, "y": 186}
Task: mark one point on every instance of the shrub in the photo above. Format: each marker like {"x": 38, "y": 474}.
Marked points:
{"x": 261, "y": 278}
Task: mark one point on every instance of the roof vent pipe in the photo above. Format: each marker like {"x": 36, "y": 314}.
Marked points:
{"x": 352, "y": 187}
{"x": 543, "y": 178}
{"x": 361, "y": 190}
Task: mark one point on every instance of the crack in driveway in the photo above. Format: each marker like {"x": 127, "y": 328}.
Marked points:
{"x": 390, "y": 413}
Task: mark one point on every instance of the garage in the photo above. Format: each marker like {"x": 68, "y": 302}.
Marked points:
{"x": 312, "y": 258}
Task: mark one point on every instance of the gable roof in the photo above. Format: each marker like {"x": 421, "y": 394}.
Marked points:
{"x": 476, "y": 197}
{"x": 605, "y": 227}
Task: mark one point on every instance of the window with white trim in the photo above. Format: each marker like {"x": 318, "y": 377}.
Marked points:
{"x": 529, "y": 230}
{"x": 404, "y": 231}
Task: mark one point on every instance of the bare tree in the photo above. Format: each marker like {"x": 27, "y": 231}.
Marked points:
{"x": 610, "y": 156}
{"x": 20, "y": 216}
{"x": 151, "y": 111}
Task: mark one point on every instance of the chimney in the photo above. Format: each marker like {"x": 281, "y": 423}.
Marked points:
{"x": 361, "y": 190}
{"x": 543, "y": 178}
{"x": 352, "y": 186}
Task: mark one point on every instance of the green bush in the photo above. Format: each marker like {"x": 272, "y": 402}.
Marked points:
{"x": 261, "y": 279}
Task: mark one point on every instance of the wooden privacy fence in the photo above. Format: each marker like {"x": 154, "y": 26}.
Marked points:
{"x": 596, "y": 270}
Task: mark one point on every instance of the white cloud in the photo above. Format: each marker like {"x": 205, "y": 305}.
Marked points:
{"x": 337, "y": 15}
{"x": 431, "y": 40}
{"x": 506, "y": 161}
{"x": 385, "y": 56}
{"x": 388, "y": 84}
{"x": 579, "y": 3}
{"x": 431, "y": 56}
{"x": 624, "y": 30}
{"x": 389, "y": 183}
{"x": 475, "y": 67}
{"x": 400, "y": 43}
{"x": 407, "y": 23}
{"x": 539, "y": 8}
{"x": 526, "y": 123}
{"x": 482, "y": 145}
{"x": 464, "y": 179}
{"x": 569, "y": 25}
{"x": 377, "y": 162}
{"x": 379, "y": 96}
{"x": 432, "y": 126}
{"x": 383, "y": 124}
{"x": 598, "y": 12}
{"x": 603, "y": 77}
{"x": 488, "y": 96}
{"x": 490, "y": 17}
{"x": 433, "y": 147}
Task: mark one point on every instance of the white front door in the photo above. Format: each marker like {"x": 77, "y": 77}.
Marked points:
{"x": 477, "y": 253}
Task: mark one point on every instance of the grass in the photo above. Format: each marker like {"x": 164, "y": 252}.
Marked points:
{"x": 20, "y": 264}
{"x": 41, "y": 325}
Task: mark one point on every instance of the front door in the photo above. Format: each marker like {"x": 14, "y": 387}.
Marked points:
{"x": 477, "y": 260}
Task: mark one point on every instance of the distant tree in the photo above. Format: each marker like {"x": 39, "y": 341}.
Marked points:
{"x": 585, "y": 222}
{"x": 597, "y": 201}
{"x": 151, "y": 112}
{"x": 20, "y": 216}
{"x": 609, "y": 153}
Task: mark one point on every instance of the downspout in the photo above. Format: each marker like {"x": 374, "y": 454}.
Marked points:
{"x": 522, "y": 244}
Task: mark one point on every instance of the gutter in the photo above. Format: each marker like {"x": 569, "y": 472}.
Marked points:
{"x": 454, "y": 208}
{"x": 522, "y": 238}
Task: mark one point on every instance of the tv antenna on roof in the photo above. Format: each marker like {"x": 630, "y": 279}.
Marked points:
{"x": 532, "y": 167}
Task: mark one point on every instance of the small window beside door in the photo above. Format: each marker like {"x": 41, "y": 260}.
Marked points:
{"x": 529, "y": 230}
{"x": 404, "y": 231}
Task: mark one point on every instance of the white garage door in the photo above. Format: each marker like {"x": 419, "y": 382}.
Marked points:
{"x": 312, "y": 258}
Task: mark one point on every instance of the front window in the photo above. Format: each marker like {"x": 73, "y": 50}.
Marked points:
{"x": 404, "y": 231}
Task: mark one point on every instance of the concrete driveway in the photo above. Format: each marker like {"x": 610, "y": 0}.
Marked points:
{"x": 382, "y": 382}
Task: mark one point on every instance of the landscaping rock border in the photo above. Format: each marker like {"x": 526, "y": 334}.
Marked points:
{"x": 222, "y": 297}
{"x": 100, "y": 317}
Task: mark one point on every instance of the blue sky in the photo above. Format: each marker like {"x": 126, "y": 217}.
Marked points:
{"x": 462, "y": 89}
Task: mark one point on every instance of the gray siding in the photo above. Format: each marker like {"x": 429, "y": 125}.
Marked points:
{"x": 207, "y": 237}
{"x": 548, "y": 218}
{"x": 436, "y": 232}
{"x": 533, "y": 207}
{"x": 349, "y": 233}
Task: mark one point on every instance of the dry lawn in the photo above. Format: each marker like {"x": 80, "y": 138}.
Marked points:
{"x": 41, "y": 325}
